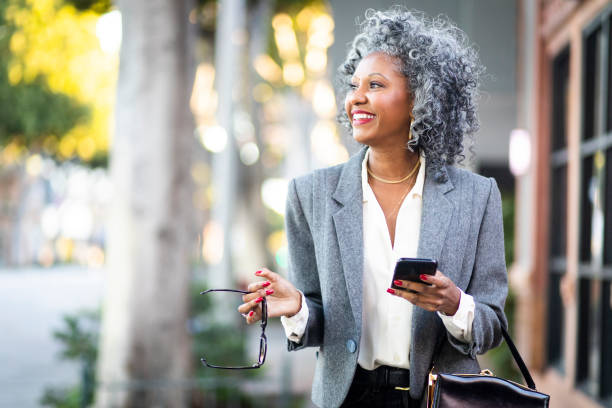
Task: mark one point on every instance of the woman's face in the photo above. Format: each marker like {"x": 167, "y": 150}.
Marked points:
{"x": 379, "y": 105}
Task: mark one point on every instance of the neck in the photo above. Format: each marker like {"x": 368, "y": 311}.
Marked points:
{"x": 391, "y": 163}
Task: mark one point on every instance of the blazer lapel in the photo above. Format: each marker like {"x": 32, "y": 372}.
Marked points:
{"x": 436, "y": 217}
{"x": 348, "y": 220}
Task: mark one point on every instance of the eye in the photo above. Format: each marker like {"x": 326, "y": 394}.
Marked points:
{"x": 375, "y": 84}
{"x": 353, "y": 86}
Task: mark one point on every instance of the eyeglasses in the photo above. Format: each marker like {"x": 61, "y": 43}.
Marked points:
{"x": 263, "y": 341}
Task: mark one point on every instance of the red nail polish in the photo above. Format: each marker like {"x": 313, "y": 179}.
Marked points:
{"x": 397, "y": 282}
{"x": 251, "y": 313}
{"x": 258, "y": 273}
{"x": 423, "y": 277}
{"x": 269, "y": 291}
{"x": 391, "y": 291}
{"x": 265, "y": 284}
{"x": 259, "y": 299}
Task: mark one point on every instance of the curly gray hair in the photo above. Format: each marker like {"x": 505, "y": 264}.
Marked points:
{"x": 443, "y": 71}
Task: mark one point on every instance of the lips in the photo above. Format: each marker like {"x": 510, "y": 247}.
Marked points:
{"x": 361, "y": 117}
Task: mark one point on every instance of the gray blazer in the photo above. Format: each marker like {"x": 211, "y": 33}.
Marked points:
{"x": 461, "y": 227}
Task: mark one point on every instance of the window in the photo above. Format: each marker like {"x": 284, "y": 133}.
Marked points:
{"x": 594, "y": 341}
{"x": 558, "y": 207}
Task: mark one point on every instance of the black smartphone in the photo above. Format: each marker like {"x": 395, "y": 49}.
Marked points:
{"x": 411, "y": 268}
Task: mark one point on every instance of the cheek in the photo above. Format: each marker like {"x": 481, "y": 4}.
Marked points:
{"x": 347, "y": 106}
{"x": 401, "y": 108}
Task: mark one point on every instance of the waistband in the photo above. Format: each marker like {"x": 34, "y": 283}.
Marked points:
{"x": 383, "y": 377}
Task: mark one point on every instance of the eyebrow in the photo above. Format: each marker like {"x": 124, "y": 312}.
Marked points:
{"x": 372, "y": 74}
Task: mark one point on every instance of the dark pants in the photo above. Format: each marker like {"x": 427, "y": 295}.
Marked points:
{"x": 373, "y": 389}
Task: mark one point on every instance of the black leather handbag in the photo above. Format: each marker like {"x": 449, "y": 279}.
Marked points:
{"x": 484, "y": 389}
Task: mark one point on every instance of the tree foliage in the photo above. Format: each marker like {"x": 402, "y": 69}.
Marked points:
{"x": 31, "y": 111}
{"x": 97, "y": 6}
{"x": 79, "y": 340}
{"x": 56, "y": 84}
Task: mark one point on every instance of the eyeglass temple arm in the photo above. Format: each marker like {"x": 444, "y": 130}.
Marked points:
{"x": 224, "y": 290}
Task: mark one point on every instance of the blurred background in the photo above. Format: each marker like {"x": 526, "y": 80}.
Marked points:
{"x": 145, "y": 151}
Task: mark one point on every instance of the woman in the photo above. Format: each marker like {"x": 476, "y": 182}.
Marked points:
{"x": 411, "y": 88}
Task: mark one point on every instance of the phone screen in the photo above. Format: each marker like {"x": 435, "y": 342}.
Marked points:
{"x": 411, "y": 268}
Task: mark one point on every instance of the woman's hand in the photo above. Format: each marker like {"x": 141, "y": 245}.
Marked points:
{"x": 442, "y": 296}
{"x": 282, "y": 298}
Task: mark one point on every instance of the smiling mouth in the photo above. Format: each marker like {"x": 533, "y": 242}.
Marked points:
{"x": 362, "y": 118}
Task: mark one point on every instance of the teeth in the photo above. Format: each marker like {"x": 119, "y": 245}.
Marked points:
{"x": 358, "y": 116}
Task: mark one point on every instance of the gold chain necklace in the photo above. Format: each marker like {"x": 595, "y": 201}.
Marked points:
{"x": 404, "y": 194}
{"x": 382, "y": 180}
{"x": 398, "y": 205}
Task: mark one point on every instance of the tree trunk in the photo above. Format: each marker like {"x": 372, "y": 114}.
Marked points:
{"x": 229, "y": 82}
{"x": 145, "y": 349}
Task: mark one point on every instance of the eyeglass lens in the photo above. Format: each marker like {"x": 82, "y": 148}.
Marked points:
{"x": 228, "y": 335}
{"x": 263, "y": 348}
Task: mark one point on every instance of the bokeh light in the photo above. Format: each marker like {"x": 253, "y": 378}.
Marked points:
{"x": 316, "y": 60}
{"x": 262, "y": 92}
{"x": 249, "y": 154}
{"x": 213, "y": 138}
{"x": 212, "y": 243}
{"x": 324, "y": 100}
{"x": 34, "y": 165}
{"x": 285, "y": 38}
{"x": 50, "y": 222}
{"x": 267, "y": 68}
{"x": 274, "y": 194}
{"x": 293, "y": 73}
{"x": 108, "y": 31}
{"x": 204, "y": 98}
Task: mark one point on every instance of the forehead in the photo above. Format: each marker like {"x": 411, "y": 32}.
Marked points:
{"x": 379, "y": 62}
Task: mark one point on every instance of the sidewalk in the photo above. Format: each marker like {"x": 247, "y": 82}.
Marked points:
{"x": 32, "y": 304}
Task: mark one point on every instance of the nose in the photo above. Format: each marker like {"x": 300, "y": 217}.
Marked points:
{"x": 356, "y": 96}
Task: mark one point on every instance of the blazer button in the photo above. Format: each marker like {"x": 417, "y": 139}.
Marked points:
{"x": 351, "y": 346}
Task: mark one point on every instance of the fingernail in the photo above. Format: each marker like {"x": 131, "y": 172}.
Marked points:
{"x": 423, "y": 277}
{"x": 391, "y": 291}
{"x": 269, "y": 291}
{"x": 258, "y": 273}
{"x": 251, "y": 313}
{"x": 397, "y": 282}
{"x": 265, "y": 284}
{"x": 259, "y": 299}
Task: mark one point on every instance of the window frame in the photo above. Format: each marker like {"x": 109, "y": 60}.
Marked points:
{"x": 593, "y": 373}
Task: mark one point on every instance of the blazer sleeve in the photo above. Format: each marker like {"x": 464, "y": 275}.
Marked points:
{"x": 303, "y": 265}
{"x": 489, "y": 282}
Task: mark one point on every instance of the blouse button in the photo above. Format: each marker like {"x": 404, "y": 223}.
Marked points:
{"x": 351, "y": 346}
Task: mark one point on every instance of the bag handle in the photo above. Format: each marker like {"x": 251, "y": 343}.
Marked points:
{"x": 518, "y": 359}
{"x": 515, "y": 354}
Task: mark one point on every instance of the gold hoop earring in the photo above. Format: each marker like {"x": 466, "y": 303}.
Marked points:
{"x": 410, "y": 129}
